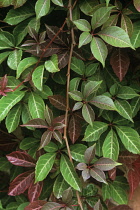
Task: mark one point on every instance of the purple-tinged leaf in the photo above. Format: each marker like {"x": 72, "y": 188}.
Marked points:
{"x": 90, "y": 154}
{"x": 105, "y": 164}
{"x": 36, "y": 123}
{"x": 86, "y": 174}
{"x": 59, "y": 119}
{"x": 28, "y": 43}
{"x": 76, "y": 95}
{"x": 36, "y": 205}
{"x": 3, "y": 84}
{"x": 52, "y": 206}
{"x": 48, "y": 115}
{"x": 137, "y": 5}
{"x": 120, "y": 62}
{"x": 81, "y": 166}
{"x": 127, "y": 158}
{"x": 58, "y": 101}
{"x": 98, "y": 205}
{"x": 74, "y": 128}
{"x": 63, "y": 59}
{"x": 91, "y": 87}
{"x": 21, "y": 183}
{"x": 61, "y": 38}
{"x": 59, "y": 126}
{"x": 98, "y": 175}
{"x": 88, "y": 114}
{"x": 45, "y": 139}
{"x": 77, "y": 106}
{"x": 112, "y": 174}
{"x": 103, "y": 102}
{"x": 122, "y": 207}
{"x": 34, "y": 190}
{"x": 32, "y": 32}
{"x": 21, "y": 159}
{"x": 58, "y": 136}
{"x": 67, "y": 195}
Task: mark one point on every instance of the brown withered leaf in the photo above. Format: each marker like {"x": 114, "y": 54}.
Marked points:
{"x": 120, "y": 62}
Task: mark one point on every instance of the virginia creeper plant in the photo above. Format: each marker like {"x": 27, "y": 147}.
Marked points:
{"x": 69, "y": 104}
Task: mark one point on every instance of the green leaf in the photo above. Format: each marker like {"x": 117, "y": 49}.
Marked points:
{"x": 59, "y": 186}
{"x": 77, "y": 152}
{"x": 77, "y": 66}
{"x": 88, "y": 114}
{"x": 7, "y": 38}
{"x": 137, "y": 5}
{"x": 118, "y": 194}
{"x": 4, "y": 45}
{"x": 51, "y": 147}
{"x": 45, "y": 92}
{"x": 24, "y": 64}
{"x": 14, "y": 59}
{"x": 7, "y": 102}
{"x": 42, "y": 8}
{"x": 18, "y": 3}
{"x": 4, "y": 164}
{"x": 99, "y": 50}
{"x": 135, "y": 105}
{"x": 126, "y": 92}
{"x": 111, "y": 146}
{"x": 13, "y": 118}
{"x": 5, "y": 3}
{"x": 84, "y": 39}
{"x": 115, "y": 36}
{"x": 74, "y": 83}
{"x": 87, "y": 6}
{"x": 52, "y": 64}
{"x": 112, "y": 21}
{"x": 4, "y": 55}
{"x": 107, "y": 2}
{"x": 124, "y": 109}
{"x": 103, "y": 102}
{"x": 36, "y": 106}
{"x": 28, "y": 143}
{"x": 26, "y": 116}
{"x": 58, "y": 2}
{"x": 43, "y": 166}
{"x": 91, "y": 87}
{"x": 100, "y": 16}
{"x": 94, "y": 132}
{"x": 15, "y": 16}
{"x": 76, "y": 95}
{"x": 13, "y": 83}
{"x": 126, "y": 24}
{"x": 37, "y": 77}
{"x": 135, "y": 38}
{"x": 68, "y": 173}
{"x": 82, "y": 25}
{"x": 91, "y": 69}
{"x": 130, "y": 138}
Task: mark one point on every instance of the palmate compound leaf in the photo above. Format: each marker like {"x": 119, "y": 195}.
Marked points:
{"x": 115, "y": 36}
{"x": 42, "y": 7}
{"x": 34, "y": 191}
{"x": 105, "y": 164}
{"x": 88, "y": 114}
{"x": 103, "y": 102}
{"x": 43, "y": 166}
{"x": 77, "y": 66}
{"x": 21, "y": 183}
{"x": 130, "y": 138}
{"x": 7, "y": 102}
{"x": 82, "y": 25}
{"x": 84, "y": 39}
{"x": 91, "y": 87}
{"x": 94, "y": 132}
{"x": 98, "y": 175}
{"x": 68, "y": 173}
{"x": 120, "y": 62}
{"x": 21, "y": 159}
{"x": 13, "y": 118}
{"x": 111, "y": 146}
{"x": 99, "y": 49}
{"x": 59, "y": 186}
{"x": 77, "y": 152}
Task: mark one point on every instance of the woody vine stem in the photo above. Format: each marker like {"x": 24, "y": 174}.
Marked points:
{"x": 67, "y": 96}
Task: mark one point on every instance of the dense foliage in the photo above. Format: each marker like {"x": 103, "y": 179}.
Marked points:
{"x": 69, "y": 104}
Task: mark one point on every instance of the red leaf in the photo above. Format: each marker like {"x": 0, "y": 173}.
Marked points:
{"x": 36, "y": 123}
{"x": 127, "y": 158}
{"x": 74, "y": 128}
{"x": 3, "y": 84}
{"x": 136, "y": 163}
{"x": 120, "y": 62}
{"x": 34, "y": 191}
{"x": 133, "y": 180}
{"x": 58, "y": 101}
{"x": 36, "y": 205}
{"x": 112, "y": 174}
{"x": 21, "y": 159}
{"x": 21, "y": 183}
